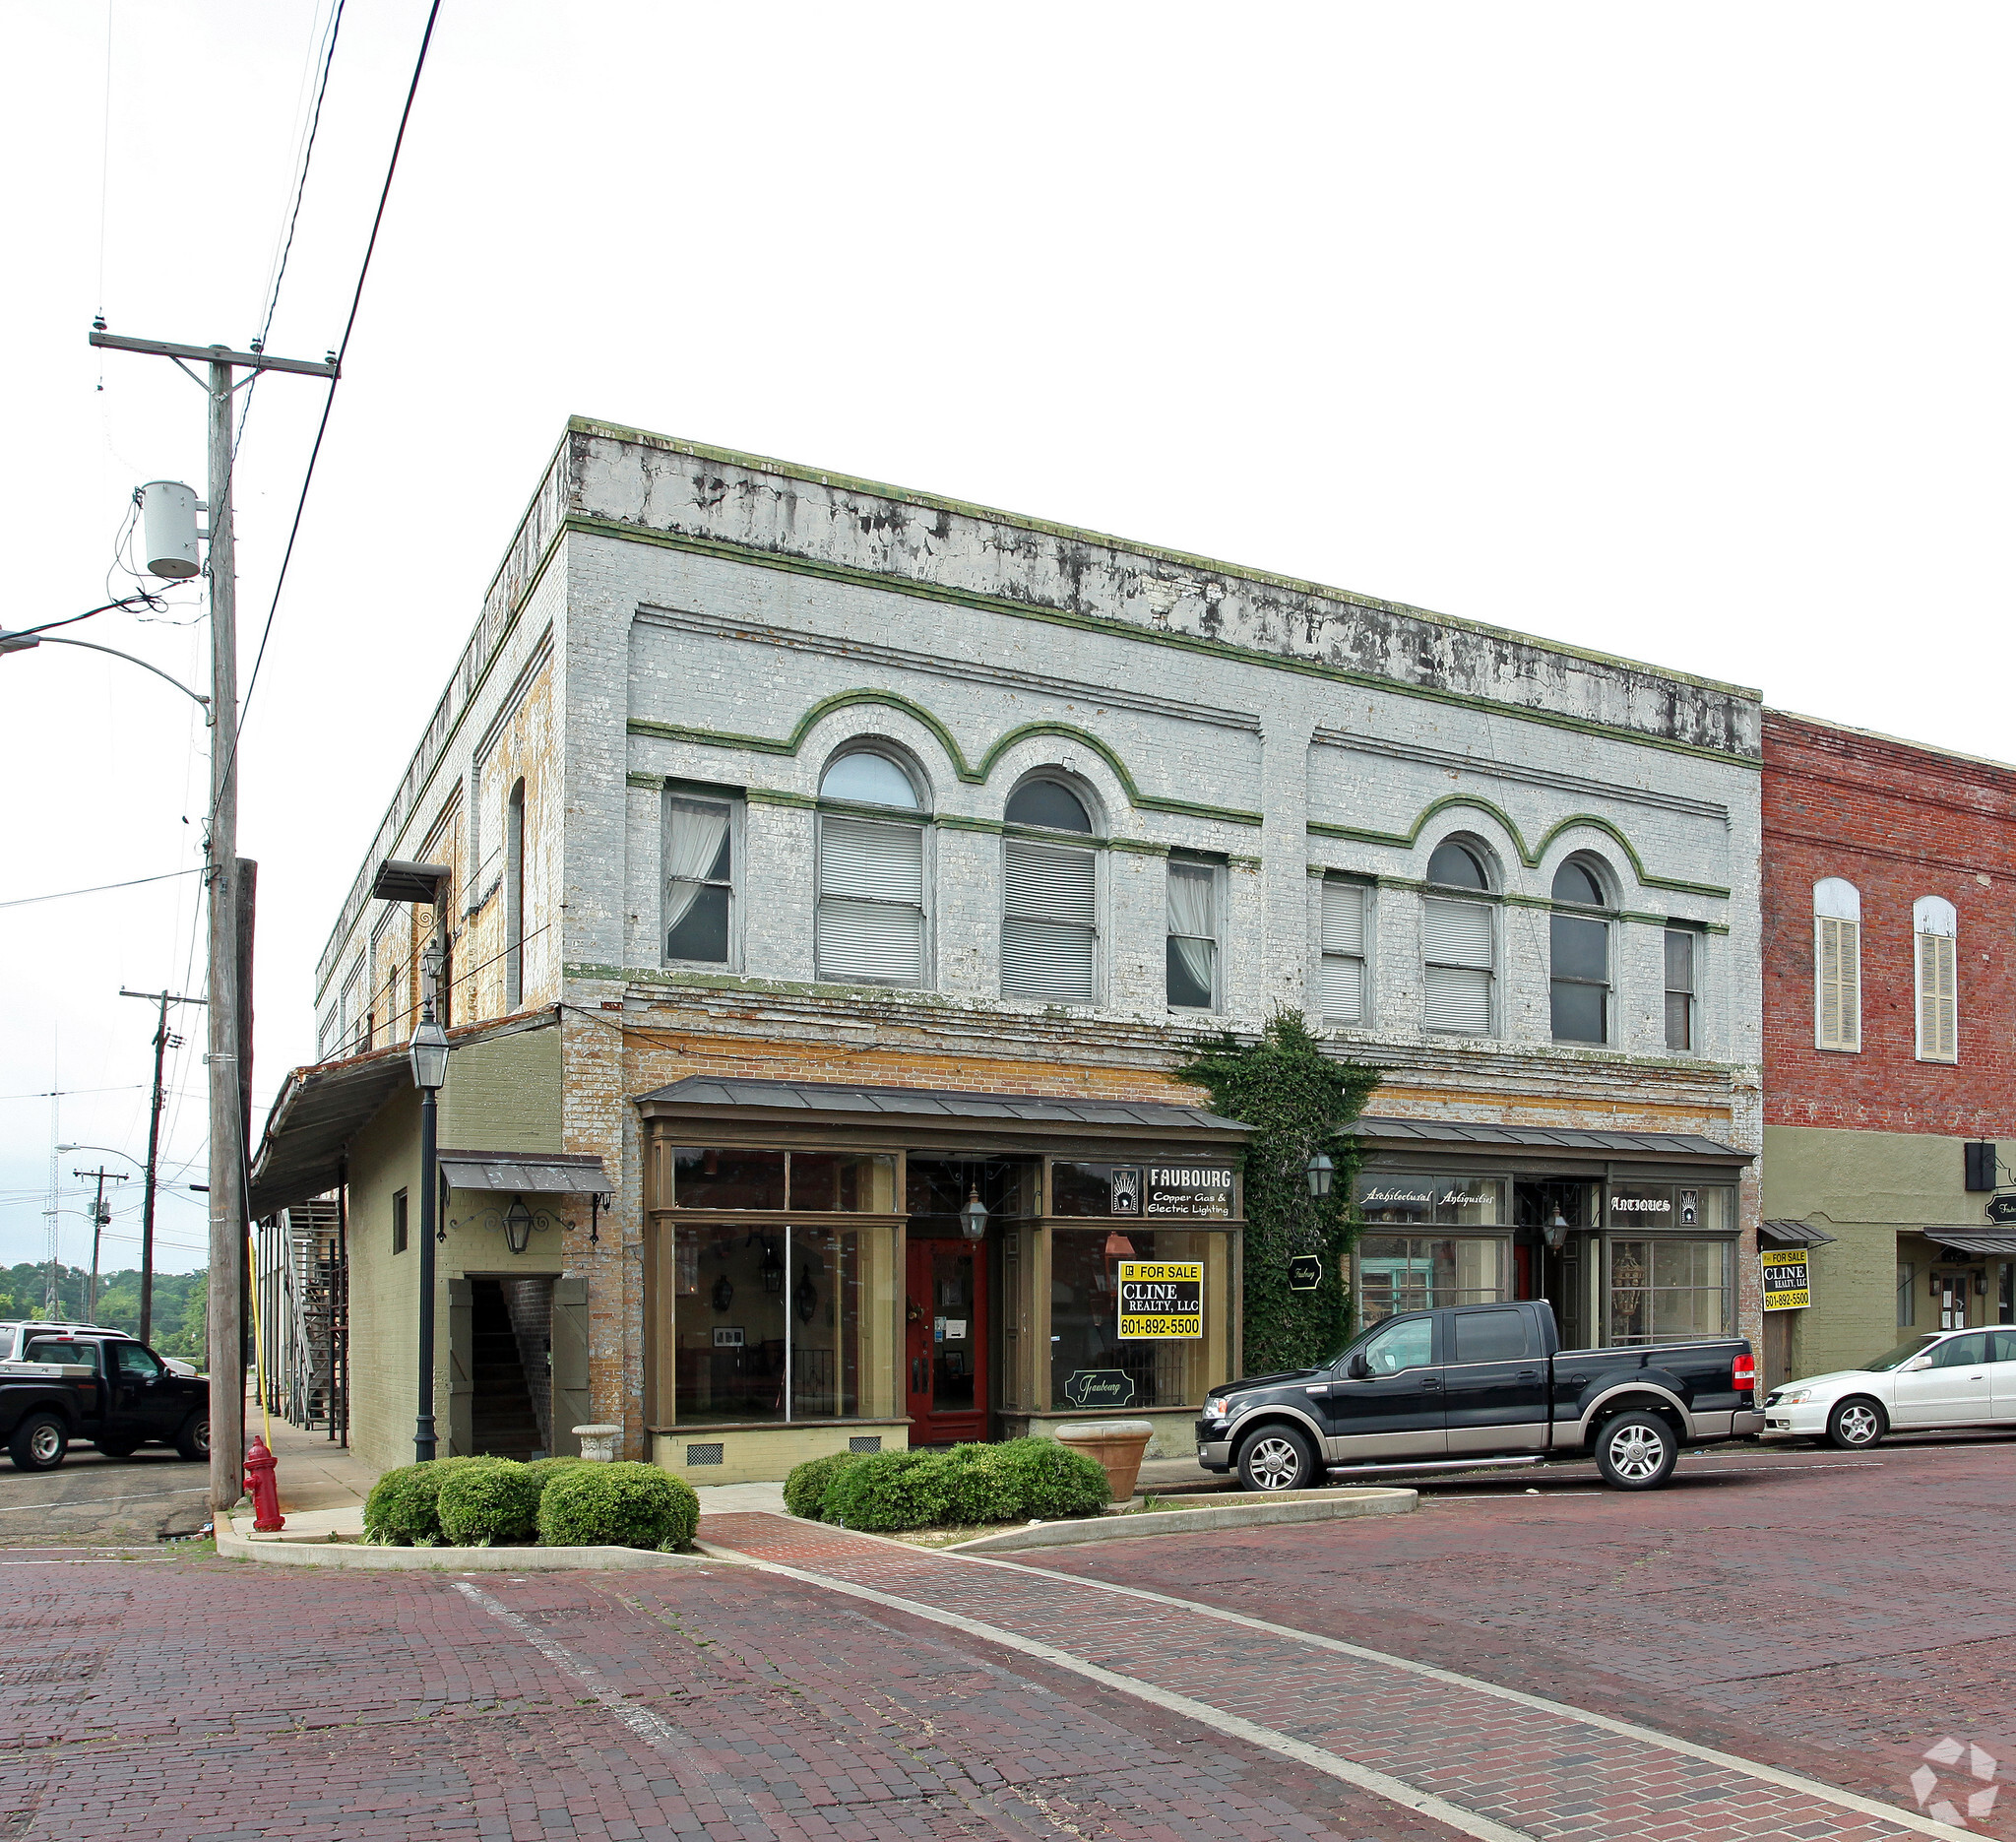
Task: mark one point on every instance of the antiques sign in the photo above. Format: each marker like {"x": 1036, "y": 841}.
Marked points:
{"x": 1161, "y": 1299}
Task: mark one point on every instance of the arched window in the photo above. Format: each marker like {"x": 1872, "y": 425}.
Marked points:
{"x": 1459, "y": 944}
{"x": 1579, "y": 987}
{"x": 514, "y": 898}
{"x": 870, "y": 905}
{"x": 1837, "y": 965}
{"x": 1049, "y": 910}
{"x": 1936, "y": 929}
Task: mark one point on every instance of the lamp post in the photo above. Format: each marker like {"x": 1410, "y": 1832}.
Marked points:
{"x": 428, "y": 1054}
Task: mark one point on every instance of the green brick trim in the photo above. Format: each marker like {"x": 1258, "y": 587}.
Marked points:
{"x": 1243, "y": 864}
{"x": 1196, "y": 643}
{"x": 777, "y": 797}
{"x": 972, "y": 772}
{"x": 1528, "y": 854}
{"x": 1139, "y": 846}
{"x": 651, "y": 782}
{"x": 1543, "y": 904}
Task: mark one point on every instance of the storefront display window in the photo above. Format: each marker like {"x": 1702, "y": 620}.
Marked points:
{"x": 1092, "y": 1364}
{"x": 1386, "y": 1199}
{"x": 1671, "y": 1290}
{"x": 781, "y": 1324}
{"x": 843, "y": 1183}
{"x": 1407, "y": 1273}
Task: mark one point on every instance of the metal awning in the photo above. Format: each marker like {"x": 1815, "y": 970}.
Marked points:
{"x": 551, "y": 1174}
{"x": 1435, "y": 1134}
{"x": 932, "y": 1110}
{"x": 1783, "y": 1234}
{"x": 1972, "y": 1241}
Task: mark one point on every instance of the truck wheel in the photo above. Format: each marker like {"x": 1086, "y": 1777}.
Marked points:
{"x": 1855, "y": 1425}
{"x": 1636, "y": 1452}
{"x": 193, "y": 1442}
{"x": 40, "y": 1442}
{"x": 1279, "y": 1458}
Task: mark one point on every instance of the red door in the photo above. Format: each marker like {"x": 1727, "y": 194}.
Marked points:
{"x": 947, "y": 1341}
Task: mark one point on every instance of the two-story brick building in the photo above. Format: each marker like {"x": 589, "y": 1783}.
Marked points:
{"x": 832, "y": 874}
{"x": 1890, "y": 1035}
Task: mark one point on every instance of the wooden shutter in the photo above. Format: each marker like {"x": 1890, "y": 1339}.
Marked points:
{"x": 871, "y": 891}
{"x": 1344, "y": 952}
{"x": 1048, "y": 929}
{"x": 1457, "y": 948}
{"x": 1937, "y": 1021}
{"x": 1837, "y": 982}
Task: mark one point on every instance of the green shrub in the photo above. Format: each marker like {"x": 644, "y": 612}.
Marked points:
{"x": 483, "y": 1505}
{"x": 617, "y": 1505}
{"x": 884, "y": 1491}
{"x": 1050, "y": 1480}
{"x": 804, "y": 1490}
{"x": 979, "y": 1487}
{"x": 547, "y": 1469}
{"x": 403, "y": 1508}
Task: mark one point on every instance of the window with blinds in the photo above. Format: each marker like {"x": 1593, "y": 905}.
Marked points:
{"x": 1050, "y": 930}
{"x": 1344, "y": 952}
{"x": 1837, "y": 965}
{"x": 1681, "y": 953}
{"x": 870, "y": 923}
{"x": 1938, "y": 1030}
{"x": 1457, "y": 948}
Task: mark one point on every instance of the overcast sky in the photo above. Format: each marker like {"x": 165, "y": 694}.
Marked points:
{"x": 1677, "y": 331}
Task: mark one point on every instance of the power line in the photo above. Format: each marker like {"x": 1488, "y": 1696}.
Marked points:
{"x": 62, "y": 895}
{"x": 328, "y": 401}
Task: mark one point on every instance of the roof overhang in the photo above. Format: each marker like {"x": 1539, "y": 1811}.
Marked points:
{"x": 1783, "y": 1234}
{"x": 1974, "y": 1241}
{"x": 550, "y": 1173}
{"x": 947, "y": 1119}
{"x": 1542, "y": 1141}
{"x": 322, "y": 1109}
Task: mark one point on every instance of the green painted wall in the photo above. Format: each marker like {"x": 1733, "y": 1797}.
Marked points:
{"x": 1868, "y": 1188}
{"x": 502, "y": 1094}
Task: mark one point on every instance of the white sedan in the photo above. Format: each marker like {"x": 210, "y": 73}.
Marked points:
{"x": 1938, "y": 1379}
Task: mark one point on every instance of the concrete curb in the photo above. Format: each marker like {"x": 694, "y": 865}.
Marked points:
{"x": 1317, "y": 1506}
{"x": 445, "y": 1560}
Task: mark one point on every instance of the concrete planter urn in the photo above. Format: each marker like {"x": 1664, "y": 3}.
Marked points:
{"x": 1116, "y": 1447}
{"x": 598, "y": 1442}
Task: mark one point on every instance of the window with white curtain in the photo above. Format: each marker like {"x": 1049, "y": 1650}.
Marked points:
{"x": 1344, "y": 951}
{"x": 1050, "y": 910}
{"x": 1837, "y": 965}
{"x": 870, "y": 922}
{"x": 1191, "y": 954}
{"x": 1936, "y": 927}
{"x": 1459, "y": 944}
{"x": 698, "y": 879}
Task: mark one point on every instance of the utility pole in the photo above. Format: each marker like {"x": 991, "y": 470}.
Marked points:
{"x": 229, "y": 1156}
{"x": 99, "y": 1216}
{"x": 163, "y": 1043}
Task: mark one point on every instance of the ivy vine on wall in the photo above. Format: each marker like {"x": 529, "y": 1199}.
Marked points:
{"x": 1297, "y": 1101}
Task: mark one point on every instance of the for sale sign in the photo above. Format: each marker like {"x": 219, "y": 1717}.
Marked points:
{"x": 1161, "y": 1299}
{"x": 1788, "y": 1285}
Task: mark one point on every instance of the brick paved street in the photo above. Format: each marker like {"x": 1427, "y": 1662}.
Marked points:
{"x": 1831, "y": 1621}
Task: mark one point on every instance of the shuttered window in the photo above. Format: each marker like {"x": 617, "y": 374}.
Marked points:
{"x": 1344, "y": 952}
{"x": 1938, "y": 1030}
{"x": 1049, "y": 922}
{"x": 871, "y": 902}
{"x": 1456, "y": 940}
{"x": 1837, "y": 956}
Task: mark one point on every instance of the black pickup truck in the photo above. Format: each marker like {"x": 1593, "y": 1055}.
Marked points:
{"x": 96, "y": 1385}
{"x": 1481, "y": 1383}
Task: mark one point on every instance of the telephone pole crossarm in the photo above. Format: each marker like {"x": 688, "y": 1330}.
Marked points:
{"x": 217, "y": 354}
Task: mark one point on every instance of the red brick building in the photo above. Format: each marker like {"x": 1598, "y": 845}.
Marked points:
{"x": 1889, "y": 897}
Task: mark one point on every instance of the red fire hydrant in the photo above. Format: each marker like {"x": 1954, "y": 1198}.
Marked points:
{"x": 259, "y": 1486}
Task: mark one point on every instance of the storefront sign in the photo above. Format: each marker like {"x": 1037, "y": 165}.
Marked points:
{"x": 1161, "y": 1299}
{"x": 1653, "y": 1205}
{"x": 2001, "y": 1209}
{"x": 1304, "y": 1272}
{"x": 1196, "y": 1191}
{"x": 1788, "y": 1285}
{"x": 1099, "y": 1387}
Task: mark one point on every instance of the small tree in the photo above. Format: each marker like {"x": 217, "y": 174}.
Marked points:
{"x": 1297, "y": 1101}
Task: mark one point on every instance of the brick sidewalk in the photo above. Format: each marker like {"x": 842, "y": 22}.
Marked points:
{"x": 1526, "y": 1768}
